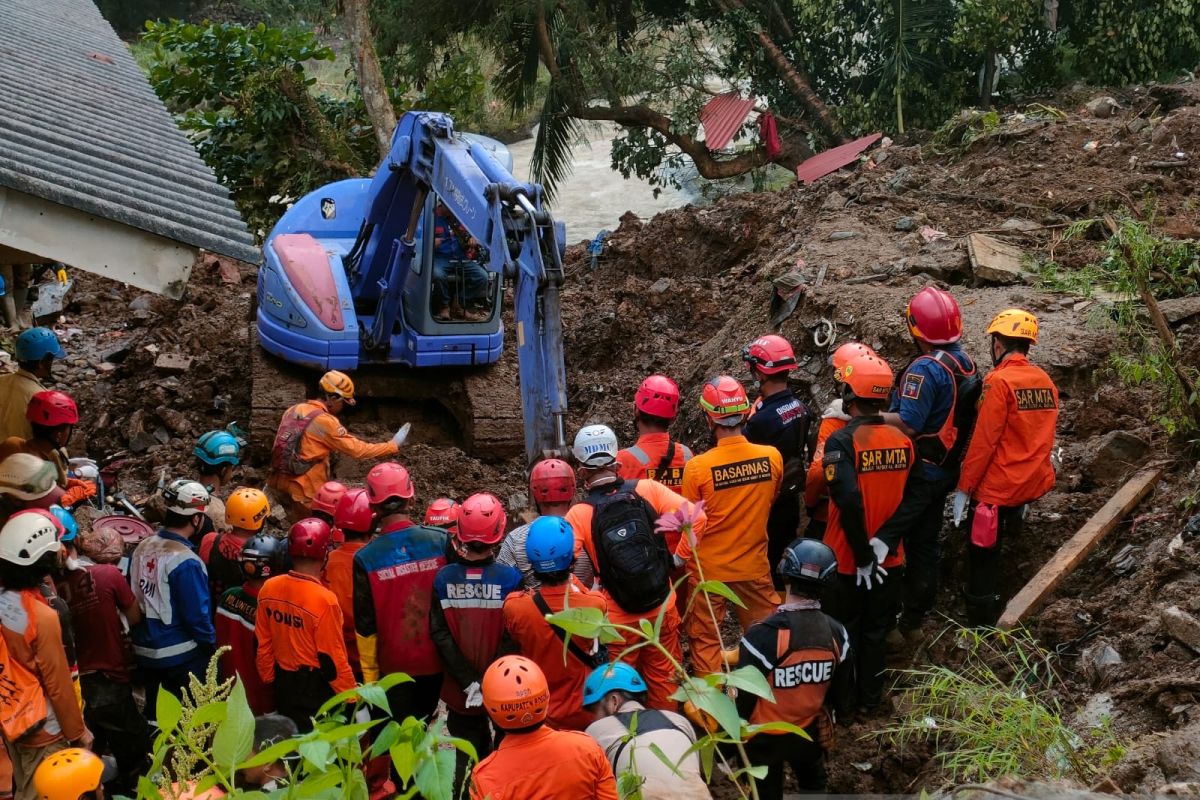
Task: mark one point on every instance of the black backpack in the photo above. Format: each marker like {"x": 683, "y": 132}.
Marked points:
{"x": 632, "y": 560}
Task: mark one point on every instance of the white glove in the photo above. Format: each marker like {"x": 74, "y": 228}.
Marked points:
{"x": 961, "y": 500}
{"x": 881, "y": 549}
{"x": 835, "y": 411}
{"x": 676, "y": 561}
{"x": 363, "y": 715}
{"x": 868, "y": 574}
{"x": 402, "y": 435}
{"x": 474, "y": 695}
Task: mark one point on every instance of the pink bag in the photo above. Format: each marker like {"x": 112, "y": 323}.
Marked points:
{"x": 986, "y": 525}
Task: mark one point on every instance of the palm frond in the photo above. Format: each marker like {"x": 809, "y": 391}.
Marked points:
{"x": 517, "y": 75}
{"x": 550, "y": 163}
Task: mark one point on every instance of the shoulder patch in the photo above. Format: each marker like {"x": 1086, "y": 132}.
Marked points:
{"x": 831, "y": 456}
{"x": 911, "y": 390}
{"x": 830, "y": 473}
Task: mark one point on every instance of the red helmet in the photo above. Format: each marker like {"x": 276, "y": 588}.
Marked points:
{"x": 353, "y": 512}
{"x": 309, "y": 538}
{"x": 327, "y": 497}
{"x": 841, "y": 357}
{"x": 770, "y": 354}
{"x": 553, "y": 480}
{"x": 481, "y": 519}
{"x": 388, "y": 480}
{"x": 443, "y": 513}
{"x": 725, "y": 401}
{"x": 933, "y": 317}
{"x": 52, "y": 409}
{"x": 658, "y": 396}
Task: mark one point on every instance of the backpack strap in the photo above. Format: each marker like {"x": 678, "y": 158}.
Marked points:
{"x": 668, "y": 456}
{"x": 648, "y": 721}
{"x": 584, "y": 657}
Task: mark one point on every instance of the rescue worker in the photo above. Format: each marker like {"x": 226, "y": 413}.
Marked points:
{"x": 269, "y": 730}
{"x": 738, "y": 483}
{"x": 552, "y": 488}
{"x": 655, "y": 456}
{"x": 443, "y": 513}
{"x": 27, "y": 481}
{"x": 1007, "y": 465}
{"x": 534, "y": 761}
{"x": 780, "y": 419}
{"x": 454, "y": 251}
{"x": 71, "y": 774}
{"x": 467, "y": 621}
{"x": 867, "y": 466}
{"x": 262, "y": 557}
{"x": 615, "y": 524}
{"x": 934, "y": 406}
{"x": 627, "y": 731}
{"x": 298, "y": 623}
{"x": 393, "y": 595}
{"x": 833, "y": 418}
{"x": 355, "y": 519}
{"x": 800, "y": 651}
{"x": 309, "y": 434}
{"x": 176, "y": 637}
{"x": 324, "y": 506}
{"x": 52, "y": 417}
{"x": 550, "y": 552}
{"x": 221, "y": 551}
{"x": 41, "y": 709}
{"x": 217, "y": 453}
{"x": 36, "y": 350}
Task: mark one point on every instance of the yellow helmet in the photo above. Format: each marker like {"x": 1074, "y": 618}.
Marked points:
{"x": 338, "y": 384}
{"x": 1015, "y": 324}
{"x": 68, "y": 774}
{"x": 247, "y": 509}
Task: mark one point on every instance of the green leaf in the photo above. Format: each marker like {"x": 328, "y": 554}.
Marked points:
{"x": 404, "y": 759}
{"x": 718, "y": 705}
{"x": 708, "y": 750}
{"x": 435, "y": 776}
{"x": 750, "y": 679}
{"x": 235, "y": 735}
{"x": 385, "y": 739}
{"x": 316, "y": 752}
{"x": 271, "y": 754}
{"x": 661, "y": 756}
{"x": 719, "y": 588}
{"x": 208, "y": 715}
{"x": 776, "y": 727}
{"x": 167, "y": 710}
{"x": 647, "y": 628}
{"x": 585, "y": 622}
{"x": 393, "y": 679}
{"x": 357, "y": 790}
{"x": 376, "y": 696}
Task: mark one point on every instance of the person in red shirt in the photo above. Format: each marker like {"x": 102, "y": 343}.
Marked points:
{"x": 246, "y": 511}
{"x": 535, "y": 762}
{"x": 552, "y": 489}
{"x": 354, "y": 517}
{"x": 237, "y": 612}
{"x": 299, "y": 628}
{"x": 655, "y": 456}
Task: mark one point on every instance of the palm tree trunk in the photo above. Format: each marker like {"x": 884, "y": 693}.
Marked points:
{"x": 369, "y": 74}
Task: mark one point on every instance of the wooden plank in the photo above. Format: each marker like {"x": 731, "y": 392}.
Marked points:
{"x": 1079, "y": 546}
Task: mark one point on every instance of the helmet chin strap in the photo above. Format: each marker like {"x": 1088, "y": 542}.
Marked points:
{"x": 605, "y": 477}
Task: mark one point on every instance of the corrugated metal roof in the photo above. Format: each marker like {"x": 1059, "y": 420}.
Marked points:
{"x": 829, "y": 161}
{"x": 722, "y": 117}
{"x": 80, "y": 126}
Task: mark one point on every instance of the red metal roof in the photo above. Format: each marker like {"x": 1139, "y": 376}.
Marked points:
{"x": 829, "y": 161}
{"x": 722, "y": 117}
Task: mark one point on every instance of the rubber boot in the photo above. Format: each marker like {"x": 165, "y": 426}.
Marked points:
{"x": 982, "y": 610}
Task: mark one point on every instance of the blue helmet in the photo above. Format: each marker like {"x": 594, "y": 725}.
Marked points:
{"x": 218, "y": 447}
{"x": 70, "y": 526}
{"x": 550, "y": 546}
{"x": 37, "y": 343}
{"x": 617, "y": 676}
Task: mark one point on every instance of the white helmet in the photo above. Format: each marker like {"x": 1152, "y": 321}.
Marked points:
{"x": 27, "y": 477}
{"x": 595, "y": 446}
{"x": 27, "y": 536}
{"x": 186, "y": 497}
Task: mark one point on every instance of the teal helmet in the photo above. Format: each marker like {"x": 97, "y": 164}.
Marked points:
{"x": 218, "y": 447}
{"x": 617, "y": 676}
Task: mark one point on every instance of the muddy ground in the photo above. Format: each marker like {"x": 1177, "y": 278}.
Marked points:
{"x": 682, "y": 293}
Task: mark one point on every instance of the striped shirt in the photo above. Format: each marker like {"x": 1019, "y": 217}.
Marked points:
{"x": 512, "y": 552}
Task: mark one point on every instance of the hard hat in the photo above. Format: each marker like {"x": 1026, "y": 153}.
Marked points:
{"x": 28, "y": 535}
{"x": 595, "y": 447}
{"x": 844, "y": 353}
{"x": 309, "y": 538}
{"x": 933, "y": 316}
{"x": 616, "y": 676}
{"x": 658, "y": 396}
{"x": 327, "y": 497}
{"x": 770, "y": 354}
{"x": 388, "y": 480}
{"x": 515, "y": 693}
{"x": 27, "y": 477}
{"x": 52, "y": 409}
{"x": 68, "y": 522}
{"x": 68, "y": 774}
{"x": 443, "y": 513}
{"x": 550, "y": 545}
{"x": 354, "y": 512}
{"x": 552, "y": 481}
{"x": 808, "y": 561}
{"x": 1013, "y": 323}
{"x": 338, "y": 384}
{"x": 481, "y": 519}
{"x": 37, "y": 343}
{"x": 724, "y": 401}
{"x": 186, "y": 497}
{"x": 247, "y": 509}
{"x": 218, "y": 447}
{"x": 262, "y": 556}
{"x": 867, "y": 377}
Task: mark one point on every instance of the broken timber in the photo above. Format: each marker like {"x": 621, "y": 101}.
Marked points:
{"x": 1079, "y": 546}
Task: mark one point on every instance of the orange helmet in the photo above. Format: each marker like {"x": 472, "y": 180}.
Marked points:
{"x": 867, "y": 377}
{"x": 725, "y": 401}
{"x": 247, "y": 509}
{"x": 338, "y": 384}
{"x": 515, "y": 693}
{"x": 68, "y": 774}
{"x": 843, "y": 354}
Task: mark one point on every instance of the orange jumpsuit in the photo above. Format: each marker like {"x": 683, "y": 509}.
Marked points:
{"x": 339, "y": 577}
{"x": 816, "y": 493}
{"x": 545, "y": 764}
{"x": 324, "y": 436}
{"x": 298, "y": 622}
{"x": 643, "y": 460}
{"x": 655, "y": 668}
{"x": 738, "y": 482}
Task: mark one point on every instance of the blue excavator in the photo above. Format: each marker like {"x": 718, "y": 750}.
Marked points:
{"x": 362, "y": 275}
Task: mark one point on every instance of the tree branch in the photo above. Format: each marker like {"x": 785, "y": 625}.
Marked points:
{"x": 370, "y": 76}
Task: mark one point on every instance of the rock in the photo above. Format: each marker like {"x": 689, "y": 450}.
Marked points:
{"x": 661, "y": 286}
{"x": 906, "y": 224}
{"x": 142, "y": 302}
{"x": 1099, "y": 662}
{"x": 175, "y": 420}
{"x": 1098, "y": 710}
{"x": 1016, "y": 224}
{"x": 1116, "y": 452}
{"x": 1178, "y": 755}
{"x": 838, "y": 236}
{"x": 943, "y": 259}
{"x": 177, "y": 363}
{"x": 1177, "y": 309}
{"x": 1182, "y": 626}
{"x": 834, "y": 201}
{"x": 902, "y": 180}
{"x": 141, "y": 441}
{"x": 994, "y": 261}
{"x": 1136, "y": 124}
{"x": 161, "y": 435}
{"x": 1103, "y": 107}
